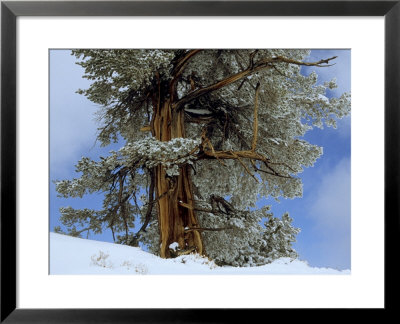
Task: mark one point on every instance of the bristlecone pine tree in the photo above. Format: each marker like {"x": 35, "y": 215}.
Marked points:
{"x": 206, "y": 134}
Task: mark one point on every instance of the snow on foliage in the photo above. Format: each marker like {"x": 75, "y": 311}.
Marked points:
{"x": 171, "y": 154}
{"x": 247, "y": 243}
{"x": 241, "y": 116}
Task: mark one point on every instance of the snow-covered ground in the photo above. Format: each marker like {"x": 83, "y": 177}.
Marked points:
{"x": 69, "y": 255}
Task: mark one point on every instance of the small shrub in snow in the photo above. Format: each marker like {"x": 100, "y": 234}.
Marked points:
{"x": 197, "y": 259}
{"x": 139, "y": 268}
{"x": 101, "y": 260}
{"x": 127, "y": 264}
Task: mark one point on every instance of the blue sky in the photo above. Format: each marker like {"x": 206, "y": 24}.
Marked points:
{"x": 323, "y": 214}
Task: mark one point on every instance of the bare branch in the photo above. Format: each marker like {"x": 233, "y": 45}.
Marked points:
{"x": 260, "y": 65}
{"x": 273, "y": 172}
{"x": 244, "y": 166}
{"x": 252, "y": 55}
{"x": 236, "y": 155}
{"x": 202, "y": 91}
{"x": 290, "y": 61}
{"x": 255, "y": 124}
{"x": 207, "y": 143}
{"x": 146, "y": 128}
{"x": 149, "y": 205}
{"x": 180, "y": 66}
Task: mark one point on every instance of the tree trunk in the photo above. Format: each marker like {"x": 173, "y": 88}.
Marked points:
{"x": 174, "y": 194}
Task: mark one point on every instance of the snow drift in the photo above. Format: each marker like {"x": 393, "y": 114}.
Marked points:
{"x": 70, "y": 255}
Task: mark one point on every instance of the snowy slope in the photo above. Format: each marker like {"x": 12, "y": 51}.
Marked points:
{"x": 69, "y": 255}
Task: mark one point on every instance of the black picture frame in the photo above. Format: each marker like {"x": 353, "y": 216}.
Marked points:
{"x": 10, "y": 10}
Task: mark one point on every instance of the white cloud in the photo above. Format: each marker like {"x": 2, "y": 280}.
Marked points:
{"x": 330, "y": 211}
{"x": 72, "y": 125}
{"x": 72, "y": 133}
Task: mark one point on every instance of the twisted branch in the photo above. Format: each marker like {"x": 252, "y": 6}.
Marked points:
{"x": 253, "y": 68}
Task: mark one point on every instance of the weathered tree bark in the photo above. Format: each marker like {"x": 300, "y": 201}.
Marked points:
{"x": 174, "y": 194}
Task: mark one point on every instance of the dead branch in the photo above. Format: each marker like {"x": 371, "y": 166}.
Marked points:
{"x": 290, "y": 61}
{"x": 273, "y": 172}
{"x": 252, "y": 55}
{"x": 122, "y": 205}
{"x": 253, "y": 68}
{"x": 203, "y": 91}
{"x": 207, "y": 143}
{"x": 244, "y": 166}
{"x": 146, "y": 128}
{"x": 221, "y": 202}
{"x": 236, "y": 155}
{"x": 149, "y": 206}
{"x": 179, "y": 68}
{"x": 255, "y": 124}
{"x": 284, "y": 164}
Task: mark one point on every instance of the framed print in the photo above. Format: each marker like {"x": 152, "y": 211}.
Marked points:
{"x": 239, "y": 40}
